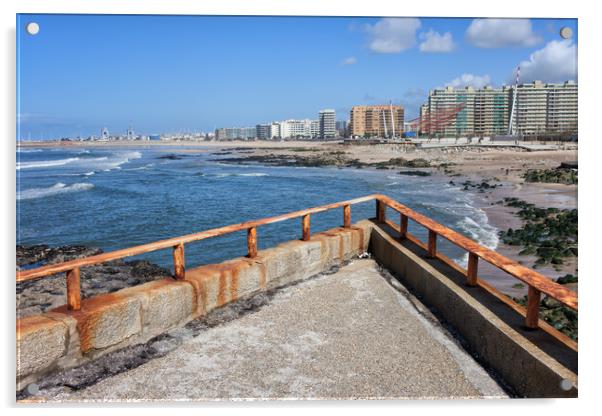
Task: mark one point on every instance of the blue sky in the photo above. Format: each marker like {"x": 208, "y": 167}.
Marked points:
{"x": 180, "y": 73}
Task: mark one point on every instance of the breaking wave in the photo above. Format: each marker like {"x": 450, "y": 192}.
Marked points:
{"x": 254, "y": 174}
{"x": 21, "y": 150}
{"x": 45, "y": 163}
{"x": 105, "y": 163}
{"x": 58, "y": 188}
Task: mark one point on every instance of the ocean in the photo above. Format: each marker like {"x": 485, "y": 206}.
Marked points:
{"x": 115, "y": 198}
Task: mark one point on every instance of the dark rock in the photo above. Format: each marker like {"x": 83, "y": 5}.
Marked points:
{"x": 171, "y": 157}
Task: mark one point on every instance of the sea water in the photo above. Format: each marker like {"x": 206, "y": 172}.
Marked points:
{"x": 115, "y": 198}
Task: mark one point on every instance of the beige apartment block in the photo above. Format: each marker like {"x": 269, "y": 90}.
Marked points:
{"x": 376, "y": 121}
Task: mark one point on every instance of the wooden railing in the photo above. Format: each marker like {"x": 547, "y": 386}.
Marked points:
{"x": 536, "y": 282}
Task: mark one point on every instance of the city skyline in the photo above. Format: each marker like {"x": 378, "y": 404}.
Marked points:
{"x": 198, "y": 73}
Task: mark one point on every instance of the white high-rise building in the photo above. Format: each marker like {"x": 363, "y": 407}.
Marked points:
{"x": 327, "y": 122}
{"x": 275, "y": 130}
{"x": 294, "y": 129}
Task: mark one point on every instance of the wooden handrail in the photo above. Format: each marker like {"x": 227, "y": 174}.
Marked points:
{"x": 50, "y": 269}
{"x": 538, "y": 283}
{"x": 529, "y": 276}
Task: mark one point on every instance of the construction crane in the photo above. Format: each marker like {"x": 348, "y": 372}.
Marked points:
{"x": 437, "y": 121}
{"x": 511, "y": 130}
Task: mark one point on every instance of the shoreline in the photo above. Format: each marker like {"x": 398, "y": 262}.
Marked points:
{"x": 501, "y": 167}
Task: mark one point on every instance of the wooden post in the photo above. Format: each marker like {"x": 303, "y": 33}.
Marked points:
{"x": 73, "y": 290}
{"x": 403, "y": 226}
{"x": 179, "y": 262}
{"x": 346, "y": 216}
{"x": 533, "y": 299}
{"x": 380, "y": 211}
{"x": 432, "y": 244}
{"x": 252, "y": 242}
{"x": 471, "y": 272}
{"x": 305, "y": 227}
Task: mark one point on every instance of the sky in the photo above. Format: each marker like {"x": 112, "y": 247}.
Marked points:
{"x": 163, "y": 74}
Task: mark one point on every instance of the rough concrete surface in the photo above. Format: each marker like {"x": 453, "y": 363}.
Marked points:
{"x": 347, "y": 335}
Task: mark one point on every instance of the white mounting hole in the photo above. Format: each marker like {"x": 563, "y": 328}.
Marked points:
{"x": 32, "y": 28}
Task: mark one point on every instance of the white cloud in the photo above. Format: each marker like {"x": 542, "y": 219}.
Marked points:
{"x": 497, "y": 33}
{"x": 393, "y": 34}
{"x": 350, "y": 61}
{"x": 555, "y": 62}
{"x": 436, "y": 42}
{"x": 470, "y": 80}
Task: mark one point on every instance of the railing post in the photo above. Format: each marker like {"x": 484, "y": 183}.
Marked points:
{"x": 432, "y": 244}
{"x": 73, "y": 290}
{"x": 533, "y": 299}
{"x": 179, "y": 262}
{"x": 252, "y": 242}
{"x": 471, "y": 271}
{"x": 380, "y": 211}
{"x": 346, "y": 216}
{"x": 305, "y": 227}
{"x": 403, "y": 226}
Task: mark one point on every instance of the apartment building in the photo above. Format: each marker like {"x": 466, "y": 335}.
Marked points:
{"x": 236, "y": 133}
{"x": 546, "y": 108}
{"x": 539, "y": 108}
{"x": 376, "y": 121}
{"x": 327, "y": 124}
{"x": 264, "y": 131}
{"x": 292, "y": 129}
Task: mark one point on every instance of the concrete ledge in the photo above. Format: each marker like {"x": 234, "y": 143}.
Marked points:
{"x": 523, "y": 365}
{"x": 63, "y": 339}
{"x": 41, "y": 341}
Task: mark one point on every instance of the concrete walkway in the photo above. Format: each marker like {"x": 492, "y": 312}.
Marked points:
{"x": 351, "y": 334}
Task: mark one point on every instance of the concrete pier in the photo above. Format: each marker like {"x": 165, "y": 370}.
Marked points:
{"x": 352, "y": 334}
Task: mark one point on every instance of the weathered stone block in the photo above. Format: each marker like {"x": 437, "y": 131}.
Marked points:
{"x": 165, "y": 304}
{"x": 291, "y": 261}
{"x": 247, "y": 276}
{"x": 106, "y": 320}
{"x": 41, "y": 341}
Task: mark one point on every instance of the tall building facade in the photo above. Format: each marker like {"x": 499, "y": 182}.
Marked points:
{"x": 293, "y": 129}
{"x": 341, "y": 127}
{"x": 539, "y": 108}
{"x": 376, "y": 121}
{"x": 546, "y": 108}
{"x": 264, "y": 131}
{"x": 236, "y": 133}
{"x": 327, "y": 124}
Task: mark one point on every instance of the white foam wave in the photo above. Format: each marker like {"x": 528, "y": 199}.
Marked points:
{"x": 254, "y": 174}
{"x": 45, "y": 163}
{"x": 21, "y": 150}
{"x": 58, "y": 188}
{"x": 145, "y": 167}
{"x": 108, "y": 163}
{"x": 479, "y": 230}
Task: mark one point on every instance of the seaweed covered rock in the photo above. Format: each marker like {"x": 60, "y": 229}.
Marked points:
{"x": 548, "y": 233}
{"x": 559, "y": 175}
{"x": 553, "y": 312}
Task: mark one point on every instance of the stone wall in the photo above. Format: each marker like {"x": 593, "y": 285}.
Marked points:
{"x": 63, "y": 339}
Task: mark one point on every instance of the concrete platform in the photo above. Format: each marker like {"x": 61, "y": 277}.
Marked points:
{"x": 352, "y": 334}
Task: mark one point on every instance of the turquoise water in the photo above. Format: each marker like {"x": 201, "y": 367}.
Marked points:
{"x": 115, "y": 198}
